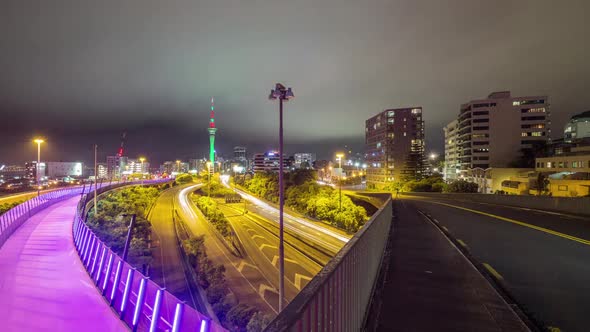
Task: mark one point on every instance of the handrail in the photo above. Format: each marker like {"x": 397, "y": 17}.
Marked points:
{"x": 140, "y": 303}
{"x": 12, "y": 219}
{"x": 338, "y": 296}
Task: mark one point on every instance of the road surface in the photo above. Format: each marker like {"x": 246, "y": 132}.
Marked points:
{"x": 542, "y": 257}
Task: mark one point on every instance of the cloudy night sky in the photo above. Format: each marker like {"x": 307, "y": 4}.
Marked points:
{"x": 81, "y": 72}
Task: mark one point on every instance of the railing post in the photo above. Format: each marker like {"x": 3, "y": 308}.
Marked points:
{"x": 127, "y": 291}
{"x": 178, "y": 313}
{"x": 107, "y": 274}
{"x": 101, "y": 264}
{"x": 116, "y": 282}
{"x": 139, "y": 303}
{"x": 156, "y": 310}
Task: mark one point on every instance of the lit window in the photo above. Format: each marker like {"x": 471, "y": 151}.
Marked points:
{"x": 524, "y": 134}
{"x": 516, "y": 103}
{"x": 404, "y": 133}
{"x": 390, "y": 120}
{"x": 416, "y": 111}
{"x": 378, "y": 145}
{"x": 537, "y": 133}
{"x": 390, "y": 114}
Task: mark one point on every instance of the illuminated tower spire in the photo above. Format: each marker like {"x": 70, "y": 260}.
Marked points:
{"x": 212, "y": 131}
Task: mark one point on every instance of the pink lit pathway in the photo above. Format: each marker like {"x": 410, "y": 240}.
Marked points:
{"x": 43, "y": 285}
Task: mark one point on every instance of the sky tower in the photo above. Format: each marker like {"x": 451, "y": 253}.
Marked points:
{"x": 212, "y": 131}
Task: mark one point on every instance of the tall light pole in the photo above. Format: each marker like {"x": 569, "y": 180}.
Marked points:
{"x": 208, "y": 179}
{"x": 141, "y": 159}
{"x": 282, "y": 94}
{"x": 339, "y": 156}
{"x": 95, "y": 180}
{"x": 178, "y": 166}
{"x": 37, "y": 167}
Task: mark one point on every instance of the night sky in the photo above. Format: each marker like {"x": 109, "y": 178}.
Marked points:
{"x": 81, "y": 72}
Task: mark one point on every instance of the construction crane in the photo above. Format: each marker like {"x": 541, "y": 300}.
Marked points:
{"x": 123, "y": 138}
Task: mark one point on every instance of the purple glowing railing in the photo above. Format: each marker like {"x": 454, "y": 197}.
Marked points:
{"x": 12, "y": 219}
{"x": 139, "y": 302}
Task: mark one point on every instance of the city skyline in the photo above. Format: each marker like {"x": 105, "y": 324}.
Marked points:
{"x": 369, "y": 58}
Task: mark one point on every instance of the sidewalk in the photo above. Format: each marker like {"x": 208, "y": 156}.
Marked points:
{"x": 43, "y": 284}
{"x": 431, "y": 286}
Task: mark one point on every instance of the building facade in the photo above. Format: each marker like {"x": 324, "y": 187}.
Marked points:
{"x": 268, "y": 162}
{"x": 496, "y": 132}
{"x": 306, "y": 159}
{"x": 452, "y": 166}
{"x": 577, "y": 128}
{"x": 239, "y": 153}
{"x": 394, "y": 146}
{"x": 55, "y": 169}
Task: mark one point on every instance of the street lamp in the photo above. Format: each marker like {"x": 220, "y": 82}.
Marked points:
{"x": 38, "y": 141}
{"x": 178, "y": 166}
{"x": 339, "y": 157}
{"x": 141, "y": 159}
{"x": 209, "y": 179}
{"x": 282, "y": 94}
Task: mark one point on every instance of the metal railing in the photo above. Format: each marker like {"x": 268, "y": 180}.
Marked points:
{"x": 12, "y": 219}
{"x": 140, "y": 303}
{"x": 337, "y": 298}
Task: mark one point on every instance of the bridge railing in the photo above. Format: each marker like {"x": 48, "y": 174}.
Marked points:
{"x": 337, "y": 298}
{"x": 12, "y": 219}
{"x": 139, "y": 302}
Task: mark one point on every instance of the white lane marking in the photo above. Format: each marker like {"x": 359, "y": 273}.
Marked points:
{"x": 264, "y": 245}
{"x": 258, "y": 237}
{"x": 275, "y": 260}
{"x": 299, "y": 278}
{"x": 266, "y": 288}
{"x": 244, "y": 264}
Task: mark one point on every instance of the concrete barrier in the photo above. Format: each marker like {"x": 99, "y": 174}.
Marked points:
{"x": 573, "y": 205}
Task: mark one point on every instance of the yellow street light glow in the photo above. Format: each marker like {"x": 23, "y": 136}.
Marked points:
{"x": 142, "y": 159}
{"x": 38, "y": 140}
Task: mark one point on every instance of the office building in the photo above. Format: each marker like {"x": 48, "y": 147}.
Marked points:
{"x": 239, "y": 153}
{"x": 131, "y": 166}
{"x": 306, "y": 159}
{"x": 268, "y": 162}
{"x": 113, "y": 166}
{"x": 394, "y": 141}
{"x": 168, "y": 167}
{"x": 494, "y": 132}
{"x": 102, "y": 171}
{"x": 452, "y": 166}
{"x": 32, "y": 172}
{"x": 59, "y": 169}
{"x": 577, "y": 128}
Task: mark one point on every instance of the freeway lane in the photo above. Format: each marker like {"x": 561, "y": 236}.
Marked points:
{"x": 545, "y": 272}
{"x": 314, "y": 232}
{"x": 261, "y": 244}
{"x": 242, "y": 275}
{"x": 167, "y": 267}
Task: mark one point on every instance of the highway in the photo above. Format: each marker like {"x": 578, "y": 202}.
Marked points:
{"x": 317, "y": 233}
{"x": 243, "y": 276}
{"x": 542, "y": 257}
{"x": 167, "y": 267}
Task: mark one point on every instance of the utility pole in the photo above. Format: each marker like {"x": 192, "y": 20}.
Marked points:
{"x": 128, "y": 240}
{"x": 95, "y": 180}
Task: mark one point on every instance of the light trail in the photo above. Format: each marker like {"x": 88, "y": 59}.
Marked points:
{"x": 294, "y": 220}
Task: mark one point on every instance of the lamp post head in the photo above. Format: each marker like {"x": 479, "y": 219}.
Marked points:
{"x": 272, "y": 95}
{"x": 289, "y": 94}
{"x": 38, "y": 140}
{"x": 339, "y": 156}
{"x": 141, "y": 159}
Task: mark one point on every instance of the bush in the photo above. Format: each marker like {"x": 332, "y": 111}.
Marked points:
{"x": 239, "y": 317}
{"x": 461, "y": 186}
{"x": 258, "y": 322}
{"x": 7, "y": 206}
{"x": 209, "y": 208}
{"x": 183, "y": 179}
{"x": 111, "y": 227}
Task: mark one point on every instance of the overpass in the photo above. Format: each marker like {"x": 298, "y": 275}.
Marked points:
{"x": 56, "y": 275}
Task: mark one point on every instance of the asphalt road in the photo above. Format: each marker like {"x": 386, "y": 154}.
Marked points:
{"x": 542, "y": 257}
{"x": 167, "y": 267}
{"x": 260, "y": 241}
{"x": 328, "y": 238}
{"x": 243, "y": 276}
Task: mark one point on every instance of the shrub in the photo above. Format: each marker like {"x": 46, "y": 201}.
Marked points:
{"x": 461, "y": 186}
{"x": 239, "y": 316}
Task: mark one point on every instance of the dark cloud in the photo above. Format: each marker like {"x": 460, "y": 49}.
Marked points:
{"x": 81, "y": 72}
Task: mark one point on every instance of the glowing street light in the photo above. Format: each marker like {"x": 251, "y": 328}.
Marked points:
{"x": 38, "y": 141}
{"x": 141, "y": 160}
{"x": 282, "y": 94}
{"x": 339, "y": 157}
{"x": 433, "y": 156}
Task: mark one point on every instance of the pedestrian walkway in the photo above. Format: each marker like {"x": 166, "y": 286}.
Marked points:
{"x": 43, "y": 285}
{"x": 431, "y": 286}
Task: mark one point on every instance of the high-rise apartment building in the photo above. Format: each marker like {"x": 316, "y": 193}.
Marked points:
{"x": 577, "y": 128}
{"x": 452, "y": 166}
{"x": 497, "y": 131}
{"x": 268, "y": 162}
{"x": 239, "y": 153}
{"x": 113, "y": 166}
{"x": 394, "y": 141}
{"x": 305, "y": 159}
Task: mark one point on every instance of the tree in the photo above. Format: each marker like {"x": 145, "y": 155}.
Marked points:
{"x": 184, "y": 178}
{"x": 258, "y": 322}
{"x": 461, "y": 186}
{"x": 239, "y": 316}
